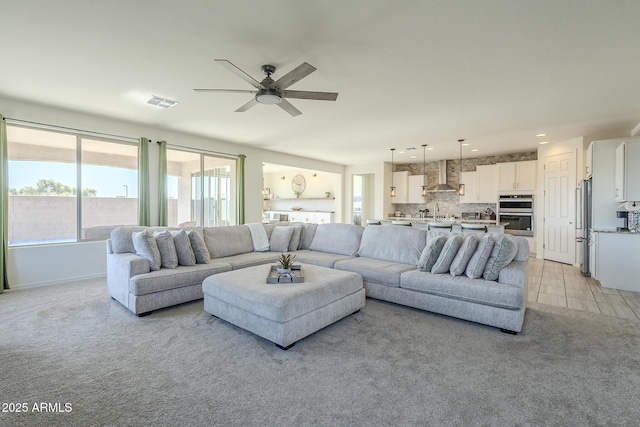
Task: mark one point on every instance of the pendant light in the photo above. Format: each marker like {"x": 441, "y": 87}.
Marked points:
{"x": 424, "y": 170}
{"x": 460, "y": 184}
{"x": 393, "y": 188}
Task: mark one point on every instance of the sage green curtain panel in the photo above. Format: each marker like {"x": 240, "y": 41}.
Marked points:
{"x": 240, "y": 183}
{"x": 144, "y": 200}
{"x": 163, "y": 196}
{"x": 4, "y": 204}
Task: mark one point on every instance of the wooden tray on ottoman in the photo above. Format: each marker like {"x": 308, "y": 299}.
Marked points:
{"x": 296, "y": 275}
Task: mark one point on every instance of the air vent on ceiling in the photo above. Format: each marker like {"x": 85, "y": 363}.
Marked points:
{"x": 161, "y": 102}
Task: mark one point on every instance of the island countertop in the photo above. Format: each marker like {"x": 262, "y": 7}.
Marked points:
{"x": 456, "y": 221}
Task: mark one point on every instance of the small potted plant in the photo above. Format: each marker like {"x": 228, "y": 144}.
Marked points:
{"x": 285, "y": 262}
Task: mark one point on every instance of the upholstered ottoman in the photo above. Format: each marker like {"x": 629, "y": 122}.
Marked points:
{"x": 285, "y": 312}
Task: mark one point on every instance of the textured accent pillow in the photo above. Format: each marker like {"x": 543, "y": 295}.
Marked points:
{"x": 448, "y": 253}
{"x": 336, "y": 238}
{"x": 466, "y": 251}
{"x": 295, "y": 238}
{"x": 183, "y": 248}
{"x": 146, "y": 246}
{"x": 431, "y": 253}
{"x": 168, "y": 254}
{"x": 475, "y": 268}
{"x": 199, "y": 248}
{"x": 280, "y": 239}
{"x": 502, "y": 254}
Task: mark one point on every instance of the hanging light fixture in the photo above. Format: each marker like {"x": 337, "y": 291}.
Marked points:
{"x": 424, "y": 170}
{"x": 460, "y": 184}
{"x": 393, "y": 188}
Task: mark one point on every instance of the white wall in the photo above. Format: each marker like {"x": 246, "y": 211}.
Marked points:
{"x": 61, "y": 262}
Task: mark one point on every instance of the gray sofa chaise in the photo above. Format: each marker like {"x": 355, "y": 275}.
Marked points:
{"x": 385, "y": 257}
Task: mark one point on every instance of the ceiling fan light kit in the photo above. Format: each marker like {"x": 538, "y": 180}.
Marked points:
{"x": 270, "y": 92}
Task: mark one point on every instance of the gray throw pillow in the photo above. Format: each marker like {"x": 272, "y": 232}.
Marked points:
{"x": 295, "y": 238}
{"x": 146, "y": 247}
{"x": 466, "y": 251}
{"x": 502, "y": 254}
{"x": 199, "y": 248}
{"x": 307, "y": 235}
{"x": 431, "y": 253}
{"x": 168, "y": 254}
{"x": 475, "y": 268}
{"x": 280, "y": 239}
{"x": 183, "y": 248}
{"x": 448, "y": 253}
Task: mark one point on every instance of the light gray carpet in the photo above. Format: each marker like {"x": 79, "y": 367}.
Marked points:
{"x": 387, "y": 365}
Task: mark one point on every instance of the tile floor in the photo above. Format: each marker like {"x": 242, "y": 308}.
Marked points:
{"x": 563, "y": 285}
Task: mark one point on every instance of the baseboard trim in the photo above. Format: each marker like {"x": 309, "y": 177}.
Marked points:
{"x": 56, "y": 282}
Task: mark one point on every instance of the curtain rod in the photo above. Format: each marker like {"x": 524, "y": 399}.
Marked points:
{"x": 202, "y": 151}
{"x": 87, "y": 132}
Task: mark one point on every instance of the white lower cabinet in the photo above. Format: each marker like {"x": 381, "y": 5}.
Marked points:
{"x": 617, "y": 260}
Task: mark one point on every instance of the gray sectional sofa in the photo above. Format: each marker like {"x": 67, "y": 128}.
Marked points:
{"x": 387, "y": 258}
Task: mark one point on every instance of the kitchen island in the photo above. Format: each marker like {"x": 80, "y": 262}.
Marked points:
{"x": 446, "y": 224}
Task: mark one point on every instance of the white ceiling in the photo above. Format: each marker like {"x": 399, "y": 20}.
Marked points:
{"x": 410, "y": 72}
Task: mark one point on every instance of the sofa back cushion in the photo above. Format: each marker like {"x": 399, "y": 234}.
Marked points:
{"x": 307, "y": 234}
{"x": 395, "y": 244}
{"x": 523, "y": 249}
{"x": 341, "y": 239}
{"x": 228, "y": 240}
{"x": 280, "y": 238}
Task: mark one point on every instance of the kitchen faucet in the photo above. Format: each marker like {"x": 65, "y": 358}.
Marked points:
{"x": 436, "y": 211}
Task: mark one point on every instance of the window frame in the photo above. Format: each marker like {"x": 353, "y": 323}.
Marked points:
{"x": 79, "y": 136}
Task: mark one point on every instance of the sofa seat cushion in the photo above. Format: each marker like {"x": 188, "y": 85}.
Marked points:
{"x": 166, "y": 279}
{"x": 323, "y": 259}
{"x": 249, "y": 259}
{"x": 480, "y": 291}
{"x": 247, "y": 290}
{"x": 375, "y": 270}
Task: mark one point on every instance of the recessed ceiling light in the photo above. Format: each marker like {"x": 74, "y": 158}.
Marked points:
{"x": 429, "y": 148}
{"x": 465, "y": 144}
{"x": 161, "y": 102}
{"x": 543, "y": 142}
{"x": 400, "y": 152}
{"x": 541, "y": 134}
{"x": 475, "y": 149}
{"x": 413, "y": 157}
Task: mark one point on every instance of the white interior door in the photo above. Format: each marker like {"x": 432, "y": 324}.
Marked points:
{"x": 560, "y": 208}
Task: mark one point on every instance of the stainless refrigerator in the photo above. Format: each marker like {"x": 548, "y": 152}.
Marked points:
{"x": 585, "y": 223}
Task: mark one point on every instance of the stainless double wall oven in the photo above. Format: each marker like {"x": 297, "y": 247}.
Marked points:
{"x": 517, "y": 211}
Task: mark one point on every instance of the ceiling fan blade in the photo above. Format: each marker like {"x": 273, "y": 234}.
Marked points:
{"x": 237, "y": 71}
{"x": 226, "y": 90}
{"x": 246, "y": 106}
{"x": 303, "y": 94}
{"x": 297, "y": 74}
{"x": 289, "y": 108}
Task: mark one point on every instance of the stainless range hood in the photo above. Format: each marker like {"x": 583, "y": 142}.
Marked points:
{"x": 442, "y": 180}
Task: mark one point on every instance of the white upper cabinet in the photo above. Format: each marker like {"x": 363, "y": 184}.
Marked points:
{"x": 400, "y": 181}
{"x": 517, "y": 177}
{"x": 627, "y": 171}
{"x": 486, "y": 183}
{"x": 470, "y": 187}
{"x": 414, "y": 194}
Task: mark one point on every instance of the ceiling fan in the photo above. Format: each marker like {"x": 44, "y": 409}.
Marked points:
{"x": 271, "y": 92}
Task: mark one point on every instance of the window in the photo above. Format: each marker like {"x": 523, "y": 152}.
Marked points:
{"x": 201, "y": 189}
{"x": 45, "y": 170}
